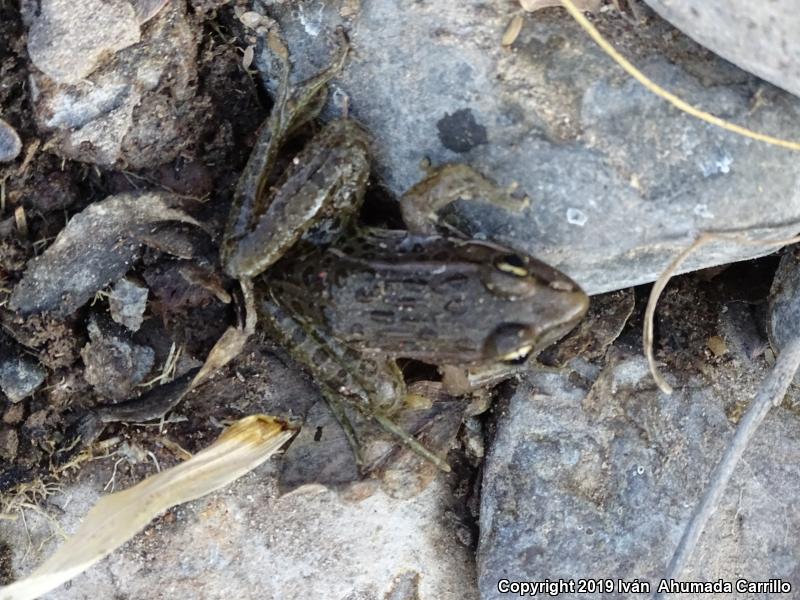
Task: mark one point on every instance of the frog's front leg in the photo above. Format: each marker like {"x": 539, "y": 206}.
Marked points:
{"x": 444, "y": 185}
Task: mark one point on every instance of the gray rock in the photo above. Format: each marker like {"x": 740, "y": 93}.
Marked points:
{"x": 68, "y": 40}
{"x": 619, "y": 181}
{"x": 600, "y": 482}
{"x": 114, "y": 364}
{"x": 783, "y": 322}
{"x": 20, "y": 374}
{"x": 137, "y": 108}
{"x": 97, "y": 246}
{"x": 10, "y": 144}
{"x": 784, "y": 306}
{"x": 127, "y": 303}
{"x": 758, "y": 36}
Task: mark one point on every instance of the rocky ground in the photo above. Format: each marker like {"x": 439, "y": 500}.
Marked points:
{"x": 146, "y": 110}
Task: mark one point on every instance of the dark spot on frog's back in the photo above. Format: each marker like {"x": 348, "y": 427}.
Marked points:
{"x": 460, "y": 132}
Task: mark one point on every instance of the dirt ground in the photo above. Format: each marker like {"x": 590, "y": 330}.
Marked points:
{"x": 37, "y": 434}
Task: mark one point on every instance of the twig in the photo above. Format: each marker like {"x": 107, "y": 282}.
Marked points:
{"x": 771, "y": 394}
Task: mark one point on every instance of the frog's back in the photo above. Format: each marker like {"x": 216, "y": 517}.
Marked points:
{"x": 432, "y": 298}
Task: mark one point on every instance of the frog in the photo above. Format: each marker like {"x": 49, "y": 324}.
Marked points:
{"x": 348, "y": 301}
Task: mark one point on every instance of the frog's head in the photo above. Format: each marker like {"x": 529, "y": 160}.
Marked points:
{"x": 542, "y": 303}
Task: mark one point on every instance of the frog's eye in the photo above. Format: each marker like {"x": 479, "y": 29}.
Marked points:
{"x": 510, "y": 343}
{"x": 513, "y": 264}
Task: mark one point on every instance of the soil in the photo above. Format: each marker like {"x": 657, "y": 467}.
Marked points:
{"x": 50, "y": 190}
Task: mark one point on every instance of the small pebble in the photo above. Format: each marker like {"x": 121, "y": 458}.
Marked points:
{"x": 717, "y": 345}
{"x": 10, "y": 144}
{"x": 114, "y": 363}
{"x": 127, "y": 303}
{"x": 20, "y": 376}
{"x": 9, "y": 443}
{"x": 14, "y": 414}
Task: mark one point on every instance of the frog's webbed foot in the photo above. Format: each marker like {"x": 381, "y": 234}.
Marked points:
{"x": 423, "y": 203}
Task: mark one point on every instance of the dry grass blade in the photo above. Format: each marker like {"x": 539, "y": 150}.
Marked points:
{"x": 231, "y": 343}
{"x": 771, "y": 394}
{"x": 676, "y": 101}
{"x": 534, "y": 5}
{"x": 116, "y": 518}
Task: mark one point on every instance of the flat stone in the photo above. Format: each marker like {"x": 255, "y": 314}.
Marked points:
{"x": 68, "y": 40}
{"x": 10, "y": 144}
{"x": 618, "y": 181}
{"x": 244, "y": 542}
{"x": 760, "y": 37}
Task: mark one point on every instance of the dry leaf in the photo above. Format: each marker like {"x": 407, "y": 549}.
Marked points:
{"x": 116, "y": 518}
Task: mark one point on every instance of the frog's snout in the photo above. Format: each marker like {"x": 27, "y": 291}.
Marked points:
{"x": 513, "y": 343}
{"x": 573, "y": 306}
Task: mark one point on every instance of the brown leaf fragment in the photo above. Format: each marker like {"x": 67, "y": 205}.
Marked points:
{"x": 96, "y": 247}
{"x": 605, "y": 320}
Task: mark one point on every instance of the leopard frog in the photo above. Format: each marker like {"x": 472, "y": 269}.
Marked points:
{"x": 347, "y": 301}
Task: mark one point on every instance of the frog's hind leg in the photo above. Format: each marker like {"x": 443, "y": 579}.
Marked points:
{"x": 294, "y": 107}
{"x": 373, "y": 386}
{"x": 422, "y": 204}
{"x": 337, "y": 405}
